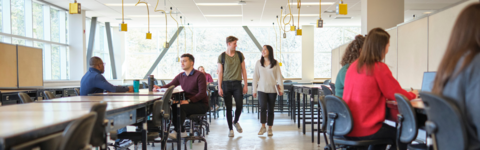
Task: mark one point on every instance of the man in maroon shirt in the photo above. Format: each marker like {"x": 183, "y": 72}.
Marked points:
{"x": 194, "y": 85}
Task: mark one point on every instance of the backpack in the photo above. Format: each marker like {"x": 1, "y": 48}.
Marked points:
{"x": 223, "y": 58}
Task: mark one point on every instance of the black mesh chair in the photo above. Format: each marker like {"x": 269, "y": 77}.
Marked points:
{"x": 24, "y": 98}
{"x": 77, "y": 91}
{"x": 99, "y": 134}
{"x": 327, "y": 82}
{"x": 77, "y": 134}
{"x": 49, "y": 95}
{"x": 326, "y": 90}
{"x": 322, "y": 125}
{"x": 445, "y": 124}
{"x": 340, "y": 123}
{"x": 332, "y": 86}
{"x": 407, "y": 128}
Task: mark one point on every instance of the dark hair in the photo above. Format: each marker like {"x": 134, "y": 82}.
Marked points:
{"x": 373, "y": 50}
{"x": 353, "y": 50}
{"x": 95, "y": 61}
{"x": 231, "y": 39}
{"x": 464, "y": 43}
{"x": 273, "y": 62}
{"x": 190, "y": 56}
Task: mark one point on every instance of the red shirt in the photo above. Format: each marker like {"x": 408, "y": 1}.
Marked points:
{"x": 193, "y": 85}
{"x": 366, "y": 97}
{"x": 209, "y": 78}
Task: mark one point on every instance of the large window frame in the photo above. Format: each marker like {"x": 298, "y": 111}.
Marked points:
{"x": 26, "y": 38}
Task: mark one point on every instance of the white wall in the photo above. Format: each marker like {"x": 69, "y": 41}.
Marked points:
{"x": 417, "y": 46}
{"x": 77, "y": 45}
{"x": 307, "y": 53}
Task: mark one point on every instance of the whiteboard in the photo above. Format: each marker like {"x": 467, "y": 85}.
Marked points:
{"x": 30, "y": 67}
{"x": 391, "y": 57}
{"x": 8, "y": 66}
{"x": 412, "y": 53}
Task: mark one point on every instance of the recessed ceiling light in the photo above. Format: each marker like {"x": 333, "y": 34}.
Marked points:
{"x": 145, "y": 16}
{"x": 314, "y": 3}
{"x": 427, "y": 12}
{"x": 123, "y": 19}
{"x": 223, "y": 15}
{"x": 305, "y": 15}
{"x": 217, "y": 4}
{"x": 124, "y": 4}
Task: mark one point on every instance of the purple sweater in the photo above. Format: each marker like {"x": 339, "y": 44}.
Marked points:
{"x": 194, "y": 86}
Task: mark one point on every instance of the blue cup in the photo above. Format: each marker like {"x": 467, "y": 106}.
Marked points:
{"x": 136, "y": 85}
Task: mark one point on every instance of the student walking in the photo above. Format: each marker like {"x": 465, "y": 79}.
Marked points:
{"x": 231, "y": 69}
{"x": 267, "y": 83}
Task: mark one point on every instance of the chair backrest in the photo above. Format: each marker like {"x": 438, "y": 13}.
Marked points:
{"x": 445, "y": 122}
{"x": 24, "y": 98}
{"x": 163, "y": 82}
{"x": 166, "y": 102}
{"x": 323, "y": 109}
{"x": 155, "y": 81}
{"x": 77, "y": 91}
{"x": 338, "y": 110}
{"x": 327, "y": 82}
{"x": 407, "y": 119}
{"x": 98, "y": 131}
{"x": 288, "y": 81}
{"x": 77, "y": 134}
{"x": 332, "y": 86}
{"x": 48, "y": 95}
{"x": 326, "y": 90}
{"x": 157, "y": 113}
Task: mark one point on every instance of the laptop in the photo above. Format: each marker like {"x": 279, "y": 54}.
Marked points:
{"x": 427, "y": 83}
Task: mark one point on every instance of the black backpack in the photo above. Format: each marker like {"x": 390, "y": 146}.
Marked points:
{"x": 223, "y": 59}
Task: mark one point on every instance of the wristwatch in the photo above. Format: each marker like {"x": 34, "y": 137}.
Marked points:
{"x": 188, "y": 100}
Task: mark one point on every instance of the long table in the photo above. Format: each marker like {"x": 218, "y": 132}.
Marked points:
{"x": 25, "y": 122}
{"x": 8, "y": 97}
{"x": 145, "y": 92}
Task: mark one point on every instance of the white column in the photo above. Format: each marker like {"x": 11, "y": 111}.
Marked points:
{"x": 381, "y": 13}
{"x": 76, "y": 26}
{"x": 307, "y": 53}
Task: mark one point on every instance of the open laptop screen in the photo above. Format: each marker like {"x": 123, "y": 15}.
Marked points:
{"x": 427, "y": 83}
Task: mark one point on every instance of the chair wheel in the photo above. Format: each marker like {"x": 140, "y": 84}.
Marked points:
{"x": 326, "y": 148}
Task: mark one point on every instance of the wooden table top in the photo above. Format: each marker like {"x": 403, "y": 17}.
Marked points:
{"x": 71, "y": 106}
{"x": 416, "y": 103}
{"x": 140, "y": 99}
{"x": 141, "y": 92}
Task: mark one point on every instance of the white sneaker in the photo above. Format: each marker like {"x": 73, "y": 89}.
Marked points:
{"x": 238, "y": 127}
{"x": 231, "y": 134}
{"x": 270, "y": 132}
{"x": 173, "y": 135}
{"x": 262, "y": 131}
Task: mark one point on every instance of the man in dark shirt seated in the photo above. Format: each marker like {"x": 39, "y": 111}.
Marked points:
{"x": 94, "y": 82}
{"x": 193, "y": 83}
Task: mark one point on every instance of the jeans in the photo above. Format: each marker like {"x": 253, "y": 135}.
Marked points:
{"x": 233, "y": 88}
{"x": 385, "y": 132}
{"x": 267, "y": 101}
{"x": 187, "y": 109}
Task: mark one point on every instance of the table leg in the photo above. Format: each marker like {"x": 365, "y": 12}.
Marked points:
{"x": 312, "y": 116}
{"x": 298, "y": 109}
{"x": 304, "y": 107}
{"x": 179, "y": 126}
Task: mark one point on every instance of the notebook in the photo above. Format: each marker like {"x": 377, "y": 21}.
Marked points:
{"x": 427, "y": 83}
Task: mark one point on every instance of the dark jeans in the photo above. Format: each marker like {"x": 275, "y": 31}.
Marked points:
{"x": 187, "y": 109}
{"x": 385, "y": 132}
{"x": 267, "y": 101}
{"x": 235, "y": 89}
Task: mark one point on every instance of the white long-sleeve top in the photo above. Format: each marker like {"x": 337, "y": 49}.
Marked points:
{"x": 265, "y": 78}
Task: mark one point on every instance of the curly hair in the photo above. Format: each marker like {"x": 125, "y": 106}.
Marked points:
{"x": 353, "y": 50}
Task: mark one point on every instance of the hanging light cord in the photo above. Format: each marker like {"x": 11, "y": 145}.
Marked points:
{"x": 122, "y": 12}
{"x": 276, "y": 36}
{"x": 184, "y": 34}
{"x": 289, "y": 14}
{"x": 299, "y": 4}
{"x": 166, "y": 35}
{"x": 320, "y": 7}
{"x": 148, "y": 13}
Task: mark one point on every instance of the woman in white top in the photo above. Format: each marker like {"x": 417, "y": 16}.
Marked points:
{"x": 267, "y": 83}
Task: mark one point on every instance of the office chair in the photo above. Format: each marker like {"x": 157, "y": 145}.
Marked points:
{"x": 77, "y": 91}
{"x": 446, "y": 124}
{"x": 99, "y": 134}
{"x": 163, "y": 82}
{"x": 327, "y": 82}
{"x": 24, "y": 98}
{"x": 340, "y": 123}
{"x": 407, "y": 128}
{"x": 77, "y": 134}
{"x": 49, "y": 95}
{"x": 332, "y": 86}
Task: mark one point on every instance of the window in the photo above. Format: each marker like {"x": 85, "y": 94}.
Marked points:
{"x": 324, "y": 44}
{"x": 27, "y": 22}
{"x": 38, "y": 21}
{"x": 206, "y": 44}
{"x": 18, "y": 17}
{"x": 100, "y": 48}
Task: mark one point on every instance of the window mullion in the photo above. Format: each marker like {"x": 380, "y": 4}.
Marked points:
{"x": 46, "y": 22}
{"x": 28, "y": 18}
